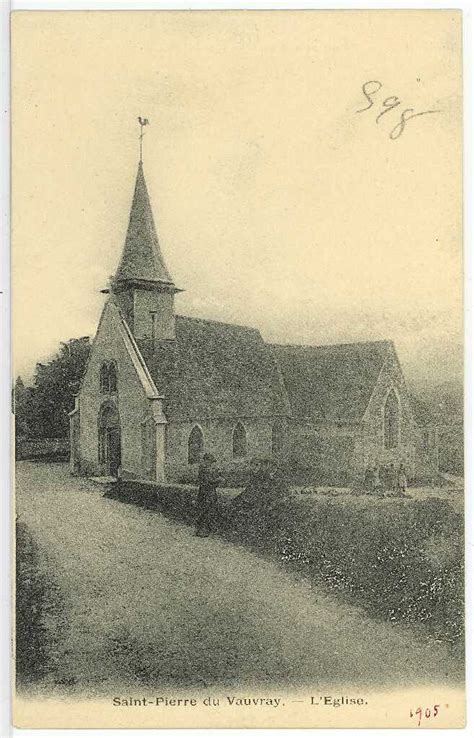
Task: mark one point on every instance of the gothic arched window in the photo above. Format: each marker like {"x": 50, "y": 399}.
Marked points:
{"x": 104, "y": 382}
{"x": 195, "y": 445}
{"x": 112, "y": 377}
{"x": 278, "y": 436}
{"x": 239, "y": 442}
{"x": 391, "y": 421}
{"x": 108, "y": 377}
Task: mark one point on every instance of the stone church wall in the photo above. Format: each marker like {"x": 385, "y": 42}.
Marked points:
{"x": 218, "y": 434}
{"x": 130, "y": 400}
{"x": 317, "y": 454}
{"x": 371, "y": 448}
{"x": 338, "y": 453}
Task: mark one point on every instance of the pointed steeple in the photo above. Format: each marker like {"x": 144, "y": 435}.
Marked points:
{"x": 142, "y": 287}
{"x": 142, "y": 260}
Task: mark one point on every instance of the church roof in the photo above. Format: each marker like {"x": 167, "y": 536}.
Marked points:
{"x": 216, "y": 370}
{"x": 142, "y": 258}
{"x": 331, "y": 383}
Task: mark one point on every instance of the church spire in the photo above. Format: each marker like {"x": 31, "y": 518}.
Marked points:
{"x": 142, "y": 287}
{"x": 142, "y": 259}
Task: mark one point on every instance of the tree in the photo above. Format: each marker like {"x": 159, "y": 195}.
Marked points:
{"x": 21, "y": 404}
{"x": 42, "y": 411}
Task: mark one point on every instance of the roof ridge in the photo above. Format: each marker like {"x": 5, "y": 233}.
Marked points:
{"x": 386, "y": 341}
{"x": 218, "y": 322}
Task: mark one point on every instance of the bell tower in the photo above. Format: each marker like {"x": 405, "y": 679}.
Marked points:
{"x": 142, "y": 287}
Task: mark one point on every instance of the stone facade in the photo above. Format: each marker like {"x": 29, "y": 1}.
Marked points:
{"x": 142, "y": 424}
{"x": 339, "y": 451}
{"x": 218, "y": 438}
{"x": 372, "y": 447}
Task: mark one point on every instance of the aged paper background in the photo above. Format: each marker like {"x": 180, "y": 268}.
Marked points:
{"x": 78, "y": 82}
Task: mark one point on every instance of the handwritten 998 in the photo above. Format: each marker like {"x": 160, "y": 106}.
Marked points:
{"x": 370, "y": 90}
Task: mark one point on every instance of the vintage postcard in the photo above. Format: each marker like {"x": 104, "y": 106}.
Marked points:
{"x": 238, "y": 369}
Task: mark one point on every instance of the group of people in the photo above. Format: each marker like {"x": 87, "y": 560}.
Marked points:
{"x": 386, "y": 479}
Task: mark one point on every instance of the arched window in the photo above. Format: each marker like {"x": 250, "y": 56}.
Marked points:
{"x": 278, "y": 436}
{"x": 239, "y": 442}
{"x": 391, "y": 424}
{"x": 108, "y": 377}
{"x": 195, "y": 445}
{"x": 104, "y": 377}
{"x": 112, "y": 377}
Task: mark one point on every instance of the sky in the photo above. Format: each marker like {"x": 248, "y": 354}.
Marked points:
{"x": 277, "y": 204}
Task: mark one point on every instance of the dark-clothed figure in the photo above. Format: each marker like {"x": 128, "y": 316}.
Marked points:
{"x": 402, "y": 481}
{"x": 391, "y": 479}
{"x": 208, "y": 479}
{"x": 369, "y": 478}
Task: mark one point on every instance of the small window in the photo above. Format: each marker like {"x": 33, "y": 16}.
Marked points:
{"x": 108, "y": 377}
{"x": 112, "y": 377}
{"x": 195, "y": 445}
{"x": 104, "y": 381}
{"x": 239, "y": 442}
{"x": 391, "y": 421}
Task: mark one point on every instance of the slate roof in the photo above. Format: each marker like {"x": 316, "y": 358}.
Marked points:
{"x": 142, "y": 258}
{"x": 219, "y": 370}
{"x": 216, "y": 370}
{"x": 331, "y": 383}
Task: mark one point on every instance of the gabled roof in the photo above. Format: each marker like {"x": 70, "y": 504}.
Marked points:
{"x": 216, "y": 370}
{"x": 331, "y": 383}
{"x": 112, "y": 311}
{"x": 142, "y": 258}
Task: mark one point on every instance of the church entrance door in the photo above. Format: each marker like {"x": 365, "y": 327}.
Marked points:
{"x": 113, "y": 451}
{"x": 110, "y": 448}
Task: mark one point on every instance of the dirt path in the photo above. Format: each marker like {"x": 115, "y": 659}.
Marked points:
{"x": 146, "y": 603}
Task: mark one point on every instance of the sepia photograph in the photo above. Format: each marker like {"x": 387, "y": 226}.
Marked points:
{"x": 237, "y": 381}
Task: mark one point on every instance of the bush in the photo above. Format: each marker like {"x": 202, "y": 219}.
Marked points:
{"x": 38, "y": 605}
{"x": 401, "y": 559}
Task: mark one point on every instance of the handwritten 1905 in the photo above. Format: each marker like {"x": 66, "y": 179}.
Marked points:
{"x": 370, "y": 90}
{"x": 427, "y": 713}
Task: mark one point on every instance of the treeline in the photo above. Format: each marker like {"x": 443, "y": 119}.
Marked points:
{"x": 41, "y": 410}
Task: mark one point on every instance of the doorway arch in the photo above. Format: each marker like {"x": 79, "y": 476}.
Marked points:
{"x": 110, "y": 448}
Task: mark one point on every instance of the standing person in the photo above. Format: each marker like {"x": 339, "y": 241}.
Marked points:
{"x": 402, "y": 481}
{"x": 391, "y": 479}
{"x": 209, "y": 479}
{"x": 369, "y": 479}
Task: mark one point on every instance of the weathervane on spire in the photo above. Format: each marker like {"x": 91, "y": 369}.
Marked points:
{"x": 143, "y": 122}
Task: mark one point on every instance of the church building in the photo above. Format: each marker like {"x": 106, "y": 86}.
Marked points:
{"x": 161, "y": 388}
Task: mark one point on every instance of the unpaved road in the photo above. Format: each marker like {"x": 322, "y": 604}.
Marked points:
{"x": 145, "y": 603}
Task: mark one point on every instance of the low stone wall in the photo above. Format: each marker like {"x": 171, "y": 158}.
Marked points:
{"x": 42, "y": 449}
